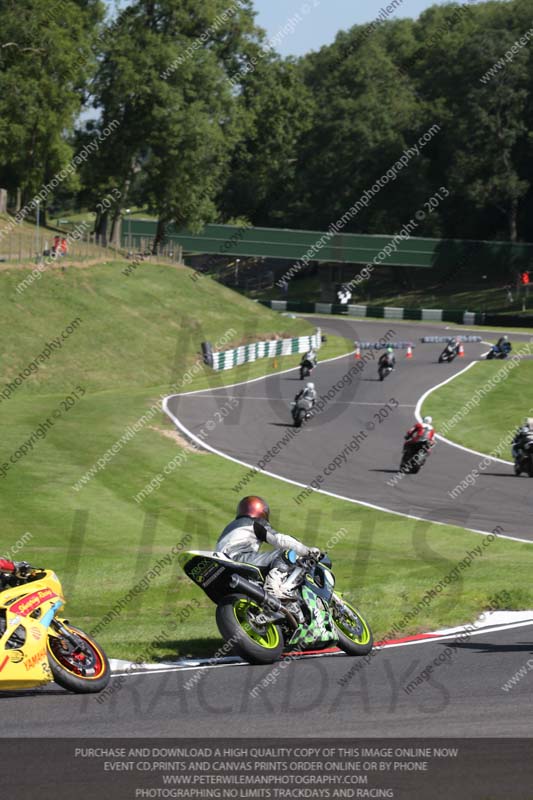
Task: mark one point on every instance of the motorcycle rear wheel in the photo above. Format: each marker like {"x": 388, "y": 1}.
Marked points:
{"x": 406, "y": 465}
{"x": 257, "y": 644}
{"x": 75, "y": 669}
{"x": 355, "y": 636}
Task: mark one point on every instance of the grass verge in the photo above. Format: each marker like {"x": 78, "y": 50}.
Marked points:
{"x": 138, "y": 337}
{"x": 504, "y": 395}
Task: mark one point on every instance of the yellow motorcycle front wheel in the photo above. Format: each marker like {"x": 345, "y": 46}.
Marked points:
{"x": 78, "y": 663}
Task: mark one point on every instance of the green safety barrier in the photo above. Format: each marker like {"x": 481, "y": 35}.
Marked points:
{"x": 380, "y": 312}
{"x": 227, "y": 359}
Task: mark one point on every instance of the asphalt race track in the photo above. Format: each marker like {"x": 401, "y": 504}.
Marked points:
{"x": 463, "y": 697}
{"x": 331, "y": 695}
{"x": 262, "y": 416}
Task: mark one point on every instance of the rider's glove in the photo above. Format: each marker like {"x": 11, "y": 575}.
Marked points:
{"x": 315, "y": 553}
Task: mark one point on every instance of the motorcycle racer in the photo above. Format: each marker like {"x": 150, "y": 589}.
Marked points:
{"x": 387, "y": 359}
{"x": 421, "y": 431}
{"x": 503, "y": 343}
{"x": 12, "y": 569}
{"x": 310, "y": 356}
{"x": 307, "y": 393}
{"x": 523, "y": 432}
{"x": 243, "y": 537}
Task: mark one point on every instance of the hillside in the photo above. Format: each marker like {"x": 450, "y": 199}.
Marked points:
{"x": 92, "y": 352}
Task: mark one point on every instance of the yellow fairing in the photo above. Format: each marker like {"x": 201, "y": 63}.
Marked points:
{"x": 23, "y": 650}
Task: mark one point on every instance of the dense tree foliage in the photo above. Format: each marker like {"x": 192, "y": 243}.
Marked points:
{"x": 199, "y": 119}
{"x": 45, "y": 66}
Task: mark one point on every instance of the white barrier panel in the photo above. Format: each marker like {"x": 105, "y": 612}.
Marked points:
{"x": 357, "y": 311}
{"x": 227, "y": 359}
{"x": 433, "y": 314}
{"x": 393, "y": 313}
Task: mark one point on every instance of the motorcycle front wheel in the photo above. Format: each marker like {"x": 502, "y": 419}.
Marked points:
{"x": 80, "y": 665}
{"x": 298, "y": 420}
{"x": 355, "y": 636}
{"x": 257, "y": 643}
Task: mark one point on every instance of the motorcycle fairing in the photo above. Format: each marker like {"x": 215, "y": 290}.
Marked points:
{"x": 25, "y": 614}
{"x": 212, "y": 573}
{"x": 321, "y": 628}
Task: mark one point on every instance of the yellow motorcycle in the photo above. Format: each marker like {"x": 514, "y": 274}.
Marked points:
{"x": 36, "y": 646}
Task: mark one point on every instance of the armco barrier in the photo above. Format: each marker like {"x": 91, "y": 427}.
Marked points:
{"x": 227, "y": 359}
{"x": 379, "y": 312}
{"x": 390, "y": 312}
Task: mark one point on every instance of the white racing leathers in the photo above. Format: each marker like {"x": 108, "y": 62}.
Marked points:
{"x": 242, "y": 538}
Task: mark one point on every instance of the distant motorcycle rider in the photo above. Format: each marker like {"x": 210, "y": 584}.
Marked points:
{"x": 421, "y": 432}
{"x": 388, "y": 359}
{"x": 523, "y": 433}
{"x": 503, "y": 343}
{"x": 310, "y": 356}
{"x": 308, "y": 362}
{"x": 242, "y": 539}
{"x": 307, "y": 393}
{"x": 453, "y": 343}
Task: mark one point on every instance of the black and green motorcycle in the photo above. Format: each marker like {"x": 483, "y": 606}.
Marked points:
{"x": 260, "y": 627}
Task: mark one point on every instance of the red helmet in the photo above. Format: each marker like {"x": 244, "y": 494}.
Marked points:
{"x": 254, "y": 507}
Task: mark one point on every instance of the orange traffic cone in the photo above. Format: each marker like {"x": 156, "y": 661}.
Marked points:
{"x": 409, "y": 353}
{"x": 357, "y": 351}
{"x": 461, "y": 351}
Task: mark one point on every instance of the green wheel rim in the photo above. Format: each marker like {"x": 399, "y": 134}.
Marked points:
{"x": 268, "y": 638}
{"x": 352, "y": 626}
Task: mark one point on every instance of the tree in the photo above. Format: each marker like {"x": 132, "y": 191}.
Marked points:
{"x": 164, "y": 75}
{"x": 275, "y": 113}
{"x": 482, "y": 112}
{"x": 42, "y": 86}
{"x": 366, "y": 117}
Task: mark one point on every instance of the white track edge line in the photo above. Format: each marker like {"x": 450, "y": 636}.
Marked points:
{"x": 206, "y": 446}
{"x": 430, "y": 391}
{"x": 431, "y": 639}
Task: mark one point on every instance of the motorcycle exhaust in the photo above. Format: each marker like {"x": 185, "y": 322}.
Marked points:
{"x": 255, "y": 592}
